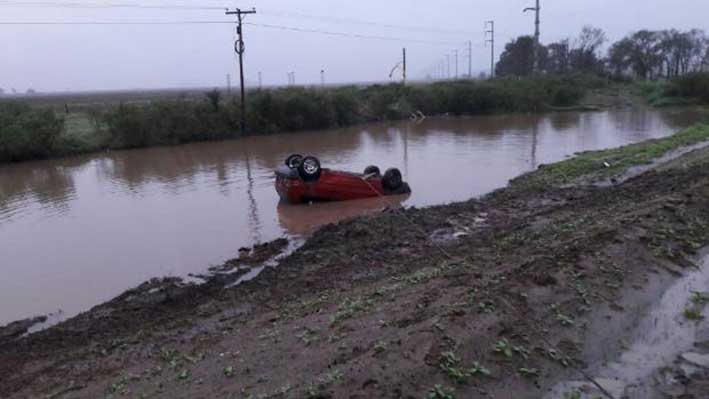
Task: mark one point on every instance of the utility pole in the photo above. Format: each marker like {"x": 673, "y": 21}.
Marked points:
{"x": 470, "y": 59}
{"x": 228, "y": 83}
{"x": 322, "y": 78}
{"x": 448, "y": 63}
{"x": 404, "y": 65}
{"x": 240, "y": 48}
{"x": 456, "y": 63}
{"x": 260, "y": 81}
{"x": 491, "y": 40}
{"x": 537, "y": 9}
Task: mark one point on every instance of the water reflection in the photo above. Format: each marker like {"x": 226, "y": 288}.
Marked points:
{"x": 109, "y": 221}
{"x": 303, "y": 219}
{"x": 48, "y": 189}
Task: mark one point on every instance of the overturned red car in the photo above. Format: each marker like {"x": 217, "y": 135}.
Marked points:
{"x": 303, "y": 180}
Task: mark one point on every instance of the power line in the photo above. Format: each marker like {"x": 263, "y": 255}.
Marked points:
{"x": 44, "y": 4}
{"x": 344, "y": 34}
{"x": 269, "y": 26}
{"x": 115, "y": 23}
{"x": 363, "y": 22}
{"x": 275, "y": 13}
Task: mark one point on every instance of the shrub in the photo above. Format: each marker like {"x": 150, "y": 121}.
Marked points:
{"x": 694, "y": 85}
{"x": 171, "y": 122}
{"x": 27, "y": 133}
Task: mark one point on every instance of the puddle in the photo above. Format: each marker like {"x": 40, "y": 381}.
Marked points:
{"x": 52, "y": 319}
{"x": 293, "y": 244}
{"x": 661, "y": 339}
{"x": 640, "y": 169}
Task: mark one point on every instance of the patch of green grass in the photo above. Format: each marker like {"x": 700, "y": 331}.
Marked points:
{"x": 349, "y": 307}
{"x": 692, "y": 313}
{"x": 503, "y": 347}
{"x": 440, "y": 392}
{"x": 564, "y": 319}
{"x": 450, "y": 364}
{"x": 352, "y": 306}
{"x": 380, "y": 347}
{"x": 572, "y": 395}
{"x": 318, "y": 389}
{"x": 700, "y": 298}
{"x": 184, "y": 374}
{"x": 309, "y": 336}
{"x": 528, "y": 372}
{"x": 119, "y": 386}
{"x": 611, "y": 162}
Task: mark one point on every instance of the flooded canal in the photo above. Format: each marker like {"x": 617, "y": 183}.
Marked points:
{"x": 75, "y": 232}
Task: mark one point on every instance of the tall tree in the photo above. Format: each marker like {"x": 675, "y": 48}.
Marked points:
{"x": 518, "y": 58}
{"x": 585, "y": 56}
{"x": 559, "y": 58}
{"x": 620, "y": 57}
{"x": 642, "y": 52}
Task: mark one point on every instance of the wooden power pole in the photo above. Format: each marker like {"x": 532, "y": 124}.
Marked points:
{"x": 240, "y": 48}
{"x": 404, "y": 65}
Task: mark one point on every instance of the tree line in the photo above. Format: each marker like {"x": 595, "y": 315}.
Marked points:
{"x": 645, "y": 54}
{"x": 41, "y": 132}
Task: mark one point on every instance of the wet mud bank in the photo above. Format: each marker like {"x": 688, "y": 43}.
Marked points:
{"x": 551, "y": 287}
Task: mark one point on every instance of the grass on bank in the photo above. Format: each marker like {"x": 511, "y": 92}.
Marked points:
{"x": 593, "y": 163}
{"x": 216, "y": 117}
{"x": 689, "y": 89}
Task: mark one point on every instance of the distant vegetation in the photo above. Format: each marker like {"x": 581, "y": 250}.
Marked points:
{"x": 642, "y": 55}
{"x": 689, "y": 89}
{"x": 29, "y": 133}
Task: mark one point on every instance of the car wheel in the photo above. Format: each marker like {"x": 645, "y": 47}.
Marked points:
{"x": 371, "y": 169}
{"x": 309, "y": 169}
{"x": 294, "y": 160}
{"x": 392, "y": 179}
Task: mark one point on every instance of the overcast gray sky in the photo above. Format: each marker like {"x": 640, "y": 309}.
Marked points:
{"x": 81, "y": 57}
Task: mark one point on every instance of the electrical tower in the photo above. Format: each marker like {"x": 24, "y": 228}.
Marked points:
{"x": 491, "y": 40}
{"x": 470, "y": 59}
{"x": 456, "y": 63}
{"x": 228, "y": 83}
{"x": 448, "y": 66}
{"x": 537, "y": 9}
{"x": 260, "y": 81}
{"x": 240, "y": 48}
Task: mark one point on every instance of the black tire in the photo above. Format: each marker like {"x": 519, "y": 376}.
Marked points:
{"x": 294, "y": 160}
{"x": 309, "y": 169}
{"x": 392, "y": 179}
{"x": 371, "y": 169}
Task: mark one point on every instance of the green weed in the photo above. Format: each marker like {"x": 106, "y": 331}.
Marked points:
{"x": 440, "y": 392}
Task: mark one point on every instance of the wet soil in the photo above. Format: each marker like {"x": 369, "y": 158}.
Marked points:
{"x": 501, "y": 297}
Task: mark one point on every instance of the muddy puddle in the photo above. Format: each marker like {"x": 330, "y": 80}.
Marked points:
{"x": 76, "y": 232}
{"x": 662, "y": 354}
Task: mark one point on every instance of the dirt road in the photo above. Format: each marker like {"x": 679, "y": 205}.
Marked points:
{"x": 503, "y": 297}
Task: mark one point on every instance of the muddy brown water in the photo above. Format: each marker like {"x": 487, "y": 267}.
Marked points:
{"x": 75, "y": 232}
